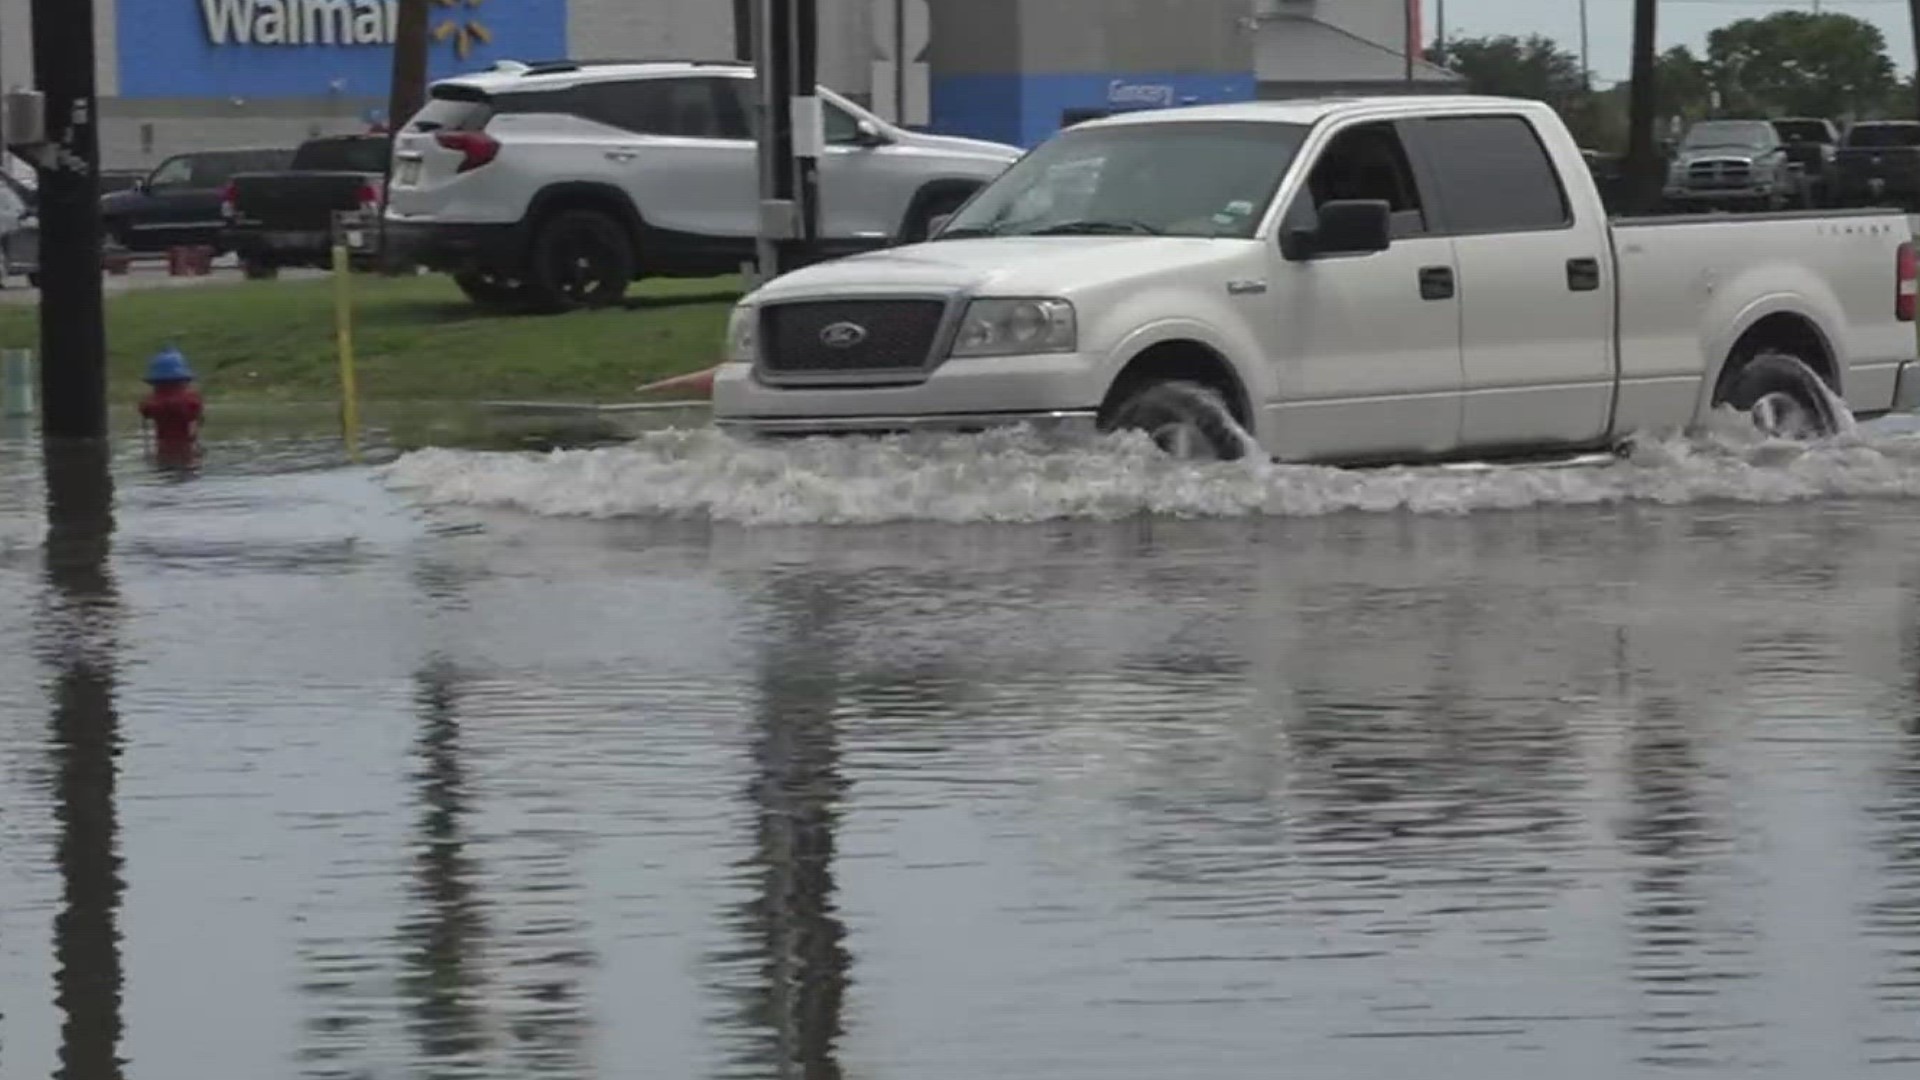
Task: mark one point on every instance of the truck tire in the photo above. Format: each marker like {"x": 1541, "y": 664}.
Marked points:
{"x": 491, "y": 292}
{"x": 258, "y": 269}
{"x": 1185, "y": 419}
{"x": 580, "y": 259}
{"x": 1785, "y": 397}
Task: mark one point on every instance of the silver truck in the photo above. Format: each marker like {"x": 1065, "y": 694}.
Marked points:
{"x": 1735, "y": 165}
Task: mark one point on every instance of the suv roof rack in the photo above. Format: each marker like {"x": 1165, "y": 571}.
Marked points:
{"x": 555, "y": 67}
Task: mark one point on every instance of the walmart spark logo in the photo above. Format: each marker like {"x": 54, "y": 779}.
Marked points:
{"x": 462, "y": 26}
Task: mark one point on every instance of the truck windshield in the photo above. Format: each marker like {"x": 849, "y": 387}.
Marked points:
{"x": 1185, "y": 178}
{"x": 1745, "y": 134}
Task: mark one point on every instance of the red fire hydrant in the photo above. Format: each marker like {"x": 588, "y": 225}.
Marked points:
{"x": 172, "y": 410}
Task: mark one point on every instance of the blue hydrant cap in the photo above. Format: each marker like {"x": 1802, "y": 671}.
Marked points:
{"x": 168, "y": 365}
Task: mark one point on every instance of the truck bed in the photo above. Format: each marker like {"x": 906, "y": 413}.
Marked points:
{"x": 1679, "y": 275}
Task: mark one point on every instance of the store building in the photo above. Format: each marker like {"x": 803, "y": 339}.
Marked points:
{"x": 177, "y": 75}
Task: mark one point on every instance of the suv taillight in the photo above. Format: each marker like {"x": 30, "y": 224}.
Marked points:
{"x": 476, "y": 147}
{"x": 1907, "y": 282}
{"x": 227, "y": 208}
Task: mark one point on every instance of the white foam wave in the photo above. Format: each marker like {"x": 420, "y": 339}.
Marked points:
{"x": 1017, "y": 476}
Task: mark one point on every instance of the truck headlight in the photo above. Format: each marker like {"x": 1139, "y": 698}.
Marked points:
{"x": 1015, "y": 327}
{"x": 743, "y": 333}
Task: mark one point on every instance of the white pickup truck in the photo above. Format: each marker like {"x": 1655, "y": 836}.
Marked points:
{"x": 1354, "y": 280}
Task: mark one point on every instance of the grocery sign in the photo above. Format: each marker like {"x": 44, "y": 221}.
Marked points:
{"x": 250, "y": 49}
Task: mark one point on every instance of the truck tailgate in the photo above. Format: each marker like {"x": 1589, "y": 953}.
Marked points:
{"x": 296, "y": 200}
{"x": 1688, "y": 284}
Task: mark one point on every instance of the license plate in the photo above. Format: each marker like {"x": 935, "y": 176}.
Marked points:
{"x": 409, "y": 172}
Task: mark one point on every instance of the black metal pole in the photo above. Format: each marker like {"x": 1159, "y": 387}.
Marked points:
{"x": 806, "y": 166}
{"x": 773, "y": 66}
{"x": 73, "y": 335}
{"x": 1642, "y": 167}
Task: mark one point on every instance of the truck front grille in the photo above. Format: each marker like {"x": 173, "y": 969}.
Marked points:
{"x": 828, "y": 337}
{"x": 1719, "y": 174}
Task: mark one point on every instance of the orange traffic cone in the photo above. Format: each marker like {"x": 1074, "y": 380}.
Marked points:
{"x": 694, "y": 384}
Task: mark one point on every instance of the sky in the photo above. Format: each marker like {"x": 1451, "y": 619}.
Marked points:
{"x": 1610, "y": 23}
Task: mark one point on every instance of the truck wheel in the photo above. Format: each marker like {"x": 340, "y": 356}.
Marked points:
{"x": 1784, "y": 396}
{"x": 492, "y": 292}
{"x": 580, "y": 259}
{"x": 256, "y": 269}
{"x": 1185, "y": 419}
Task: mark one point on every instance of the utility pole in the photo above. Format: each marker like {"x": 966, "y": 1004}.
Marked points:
{"x": 1586, "y": 61}
{"x": 1642, "y": 167}
{"x": 73, "y": 335}
{"x": 1440, "y": 32}
{"x": 1412, "y": 15}
{"x": 409, "y": 90}
{"x": 786, "y": 38}
{"x": 1913, "y": 16}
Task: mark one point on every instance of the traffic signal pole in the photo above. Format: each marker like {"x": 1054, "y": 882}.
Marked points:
{"x": 73, "y": 335}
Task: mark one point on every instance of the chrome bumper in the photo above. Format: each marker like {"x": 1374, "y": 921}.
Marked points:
{"x": 1066, "y": 421}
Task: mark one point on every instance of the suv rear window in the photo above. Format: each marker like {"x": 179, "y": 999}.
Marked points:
{"x": 453, "y": 109}
{"x": 1884, "y": 135}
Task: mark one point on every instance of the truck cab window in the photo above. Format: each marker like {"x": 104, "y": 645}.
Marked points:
{"x": 1494, "y": 176}
{"x": 174, "y": 172}
{"x": 1364, "y": 162}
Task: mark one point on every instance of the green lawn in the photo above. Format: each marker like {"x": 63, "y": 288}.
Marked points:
{"x": 416, "y": 339}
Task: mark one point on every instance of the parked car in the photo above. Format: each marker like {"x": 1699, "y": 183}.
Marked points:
{"x": 1879, "y": 163}
{"x": 1812, "y": 144}
{"x": 1734, "y": 165}
{"x": 278, "y": 219}
{"x": 179, "y": 201}
{"x": 554, "y": 186}
{"x": 19, "y": 233}
{"x": 1387, "y": 279}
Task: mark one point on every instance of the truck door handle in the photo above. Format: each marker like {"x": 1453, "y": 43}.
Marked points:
{"x": 1436, "y": 283}
{"x": 621, "y": 155}
{"x": 1583, "y": 275}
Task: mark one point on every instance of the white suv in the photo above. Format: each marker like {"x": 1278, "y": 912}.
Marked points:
{"x": 553, "y": 186}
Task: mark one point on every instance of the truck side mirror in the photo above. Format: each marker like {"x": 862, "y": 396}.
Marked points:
{"x": 1346, "y": 227}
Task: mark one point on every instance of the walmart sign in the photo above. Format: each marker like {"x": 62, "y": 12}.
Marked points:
{"x": 259, "y": 49}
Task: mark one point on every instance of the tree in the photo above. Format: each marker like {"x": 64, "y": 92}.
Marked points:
{"x": 1683, "y": 84}
{"x": 1802, "y": 64}
{"x": 1533, "y": 67}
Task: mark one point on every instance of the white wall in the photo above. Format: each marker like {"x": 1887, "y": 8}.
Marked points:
{"x": 1383, "y": 22}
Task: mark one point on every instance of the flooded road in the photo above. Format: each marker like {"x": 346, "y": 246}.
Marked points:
{"x": 486, "y": 766}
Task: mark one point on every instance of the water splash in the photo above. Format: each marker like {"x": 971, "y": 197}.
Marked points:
{"x": 1016, "y": 475}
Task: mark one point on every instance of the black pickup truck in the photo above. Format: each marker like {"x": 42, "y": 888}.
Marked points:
{"x": 277, "y": 219}
{"x": 1879, "y": 164}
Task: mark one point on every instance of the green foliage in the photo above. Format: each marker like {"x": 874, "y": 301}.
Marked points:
{"x": 1801, "y": 64}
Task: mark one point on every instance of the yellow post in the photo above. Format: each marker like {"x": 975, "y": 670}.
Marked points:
{"x": 343, "y": 330}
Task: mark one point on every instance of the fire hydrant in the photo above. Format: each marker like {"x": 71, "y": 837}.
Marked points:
{"x": 172, "y": 410}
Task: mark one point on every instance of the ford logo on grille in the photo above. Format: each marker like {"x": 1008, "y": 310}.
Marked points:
{"x": 842, "y": 335}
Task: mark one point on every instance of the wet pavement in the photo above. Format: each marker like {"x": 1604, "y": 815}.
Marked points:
{"x": 318, "y": 770}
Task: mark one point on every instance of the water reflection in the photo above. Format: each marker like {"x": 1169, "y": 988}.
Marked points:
{"x": 79, "y": 641}
{"x": 790, "y": 926}
{"x": 442, "y": 979}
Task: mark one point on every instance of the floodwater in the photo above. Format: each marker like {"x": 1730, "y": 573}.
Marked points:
{"x": 953, "y": 758}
